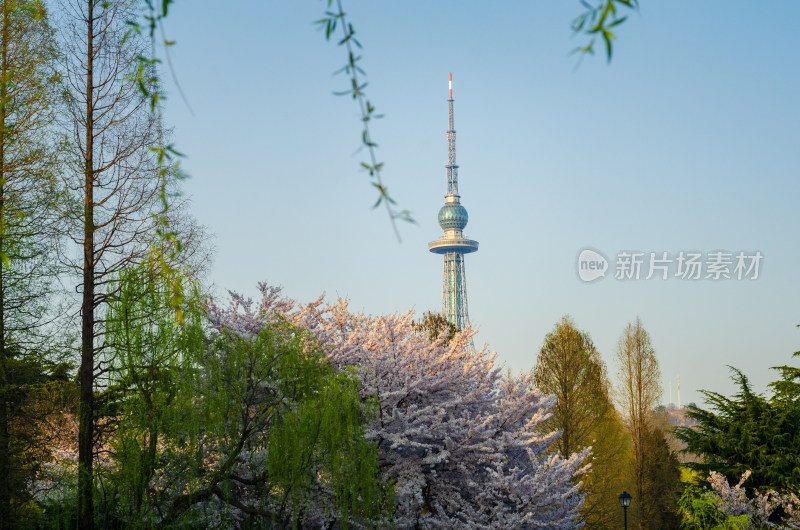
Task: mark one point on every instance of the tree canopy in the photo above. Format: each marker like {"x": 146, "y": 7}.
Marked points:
{"x": 463, "y": 446}
{"x": 749, "y": 432}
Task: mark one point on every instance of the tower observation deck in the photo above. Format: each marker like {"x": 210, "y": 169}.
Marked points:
{"x": 453, "y": 245}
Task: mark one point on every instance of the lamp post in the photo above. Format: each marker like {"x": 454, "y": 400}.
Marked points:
{"x": 625, "y": 501}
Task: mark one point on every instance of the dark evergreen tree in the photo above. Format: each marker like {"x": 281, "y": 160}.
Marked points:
{"x": 662, "y": 481}
{"x": 750, "y": 432}
{"x": 434, "y": 324}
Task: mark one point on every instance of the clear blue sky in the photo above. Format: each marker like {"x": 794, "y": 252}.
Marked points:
{"x": 687, "y": 141}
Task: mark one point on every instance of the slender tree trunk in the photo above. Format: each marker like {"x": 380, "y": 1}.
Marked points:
{"x": 642, "y": 408}
{"x": 640, "y": 471}
{"x": 637, "y": 348}
{"x": 638, "y": 421}
{"x": 86, "y": 407}
{"x": 5, "y": 445}
{"x": 5, "y": 461}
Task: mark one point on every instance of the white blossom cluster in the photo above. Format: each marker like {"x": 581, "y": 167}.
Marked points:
{"x": 55, "y": 479}
{"x": 733, "y": 501}
{"x": 463, "y": 445}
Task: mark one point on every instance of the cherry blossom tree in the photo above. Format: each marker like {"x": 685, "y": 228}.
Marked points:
{"x": 463, "y": 446}
{"x": 726, "y": 506}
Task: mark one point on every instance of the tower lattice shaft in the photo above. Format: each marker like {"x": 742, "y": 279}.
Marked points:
{"x": 454, "y": 289}
{"x": 452, "y": 168}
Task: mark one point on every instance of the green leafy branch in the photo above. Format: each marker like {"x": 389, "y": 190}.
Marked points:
{"x": 167, "y": 156}
{"x": 599, "y": 21}
{"x": 328, "y": 24}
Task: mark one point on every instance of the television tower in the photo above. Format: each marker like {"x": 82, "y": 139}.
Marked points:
{"x": 453, "y": 245}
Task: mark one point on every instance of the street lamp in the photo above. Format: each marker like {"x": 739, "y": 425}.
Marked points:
{"x": 625, "y": 501}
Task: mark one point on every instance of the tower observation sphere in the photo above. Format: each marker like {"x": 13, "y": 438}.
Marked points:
{"x": 453, "y": 216}
{"x": 453, "y": 245}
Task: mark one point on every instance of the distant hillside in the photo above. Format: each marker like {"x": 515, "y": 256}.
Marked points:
{"x": 678, "y": 417}
{"x": 671, "y": 417}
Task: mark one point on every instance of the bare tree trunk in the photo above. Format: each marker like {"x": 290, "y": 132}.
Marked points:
{"x": 86, "y": 372}
{"x": 5, "y": 468}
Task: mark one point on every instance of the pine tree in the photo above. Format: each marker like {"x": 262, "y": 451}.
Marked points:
{"x": 749, "y": 432}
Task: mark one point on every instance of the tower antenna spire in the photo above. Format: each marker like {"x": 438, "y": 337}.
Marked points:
{"x": 453, "y": 245}
{"x": 451, "y": 85}
{"x": 452, "y": 168}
